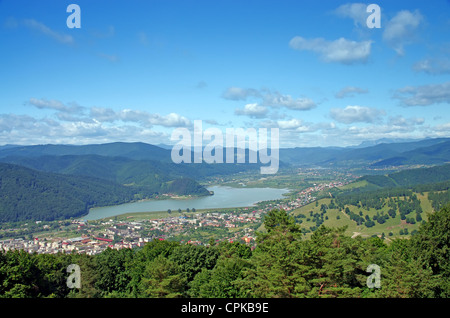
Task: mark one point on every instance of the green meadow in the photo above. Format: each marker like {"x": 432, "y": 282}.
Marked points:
{"x": 335, "y": 217}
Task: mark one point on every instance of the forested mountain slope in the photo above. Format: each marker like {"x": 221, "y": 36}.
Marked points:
{"x": 27, "y": 194}
{"x": 36, "y": 195}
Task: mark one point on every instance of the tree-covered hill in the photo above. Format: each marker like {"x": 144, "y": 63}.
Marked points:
{"x": 133, "y": 150}
{"x": 27, "y": 194}
{"x": 426, "y": 151}
{"x": 431, "y": 154}
{"x": 184, "y": 186}
{"x": 410, "y": 177}
{"x": 392, "y": 205}
{"x": 149, "y": 173}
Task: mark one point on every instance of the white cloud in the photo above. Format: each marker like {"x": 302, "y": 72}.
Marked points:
{"x": 252, "y": 110}
{"x": 340, "y": 51}
{"x": 103, "y": 114}
{"x": 9, "y": 122}
{"x": 433, "y": 66}
{"x": 401, "y": 29}
{"x": 170, "y": 120}
{"x": 56, "y": 105}
{"x": 73, "y": 118}
{"x": 138, "y": 116}
{"x": 350, "y": 91}
{"x": 443, "y": 127}
{"x": 353, "y": 114}
{"x": 400, "y": 121}
{"x": 424, "y": 95}
{"x": 238, "y": 93}
{"x": 102, "y": 125}
{"x": 279, "y": 100}
{"x": 70, "y": 120}
{"x": 268, "y": 98}
{"x": 355, "y": 11}
{"x": 42, "y": 28}
{"x": 294, "y": 124}
{"x": 290, "y": 124}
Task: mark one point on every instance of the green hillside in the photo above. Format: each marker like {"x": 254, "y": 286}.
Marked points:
{"x": 410, "y": 177}
{"x": 27, "y": 194}
{"x": 184, "y": 186}
{"x": 34, "y": 195}
{"x": 426, "y": 151}
{"x": 133, "y": 150}
{"x": 431, "y": 154}
{"x": 389, "y": 206}
{"x": 150, "y": 174}
{"x": 394, "y": 217}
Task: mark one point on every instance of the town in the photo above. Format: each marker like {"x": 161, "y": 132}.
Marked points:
{"x": 191, "y": 227}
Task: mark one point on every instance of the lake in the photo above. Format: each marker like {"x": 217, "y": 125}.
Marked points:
{"x": 224, "y": 197}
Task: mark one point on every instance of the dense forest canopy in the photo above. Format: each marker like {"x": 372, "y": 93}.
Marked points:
{"x": 27, "y": 194}
{"x": 411, "y": 177}
{"x": 284, "y": 264}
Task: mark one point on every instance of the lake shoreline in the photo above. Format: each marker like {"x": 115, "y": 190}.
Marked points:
{"x": 224, "y": 197}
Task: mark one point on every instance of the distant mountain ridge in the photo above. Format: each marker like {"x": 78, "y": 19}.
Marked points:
{"x": 432, "y": 154}
{"x": 369, "y": 143}
{"x": 134, "y": 150}
{"x": 426, "y": 151}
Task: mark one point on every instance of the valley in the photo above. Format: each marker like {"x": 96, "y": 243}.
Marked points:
{"x": 232, "y": 150}
{"x": 194, "y": 226}
{"x": 368, "y": 199}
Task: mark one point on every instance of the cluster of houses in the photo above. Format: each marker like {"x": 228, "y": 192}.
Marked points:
{"x": 95, "y": 238}
{"x": 215, "y": 219}
{"x": 178, "y": 225}
{"x": 82, "y": 244}
{"x": 118, "y": 235}
{"x": 305, "y": 196}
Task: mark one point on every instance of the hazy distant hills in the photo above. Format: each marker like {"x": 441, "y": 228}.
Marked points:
{"x": 427, "y": 151}
{"x": 135, "y": 150}
{"x": 433, "y": 154}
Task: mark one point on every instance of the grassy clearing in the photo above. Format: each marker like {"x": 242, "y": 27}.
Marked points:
{"x": 337, "y": 218}
{"x": 353, "y": 185}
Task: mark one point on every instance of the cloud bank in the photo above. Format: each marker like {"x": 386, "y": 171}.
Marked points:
{"x": 338, "y": 51}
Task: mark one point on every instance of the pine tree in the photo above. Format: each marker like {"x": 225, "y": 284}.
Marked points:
{"x": 162, "y": 278}
{"x": 431, "y": 245}
{"x": 276, "y": 268}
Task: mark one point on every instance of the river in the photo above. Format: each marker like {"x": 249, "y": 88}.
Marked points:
{"x": 224, "y": 197}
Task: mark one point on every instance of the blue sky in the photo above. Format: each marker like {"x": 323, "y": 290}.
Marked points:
{"x": 137, "y": 70}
